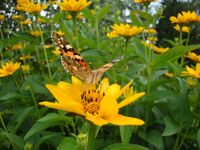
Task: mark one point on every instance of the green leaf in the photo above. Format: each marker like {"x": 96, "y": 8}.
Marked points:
{"x": 154, "y": 138}
{"x": 67, "y": 143}
{"x": 10, "y": 96}
{"x": 49, "y": 120}
{"x": 16, "y": 141}
{"x": 87, "y": 13}
{"x": 102, "y": 12}
{"x": 125, "y": 133}
{"x": 172, "y": 54}
{"x": 171, "y": 127}
{"x": 120, "y": 146}
{"x": 148, "y": 18}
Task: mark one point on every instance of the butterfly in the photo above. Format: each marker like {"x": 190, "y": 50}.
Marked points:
{"x": 73, "y": 63}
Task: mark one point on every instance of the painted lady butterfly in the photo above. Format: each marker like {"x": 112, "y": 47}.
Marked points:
{"x": 74, "y": 63}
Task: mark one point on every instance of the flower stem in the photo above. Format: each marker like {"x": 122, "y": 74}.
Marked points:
{"x": 2, "y": 122}
{"x": 1, "y": 32}
{"x": 124, "y": 57}
{"x": 76, "y": 31}
{"x": 97, "y": 33}
{"x": 34, "y": 100}
{"x": 45, "y": 54}
{"x": 93, "y": 130}
{"x": 16, "y": 83}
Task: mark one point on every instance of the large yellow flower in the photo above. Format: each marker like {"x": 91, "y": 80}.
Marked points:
{"x": 97, "y": 104}
{"x": 73, "y": 5}
{"x": 144, "y": 1}
{"x": 2, "y": 17}
{"x": 193, "y": 56}
{"x": 192, "y": 72}
{"x": 9, "y": 68}
{"x": 124, "y": 30}
{"x": 30, "y": 6}
{"x": 185, "y": 17}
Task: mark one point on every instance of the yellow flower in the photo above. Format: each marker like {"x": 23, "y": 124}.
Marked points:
{"x": 25, "y": 57}
{"x": 185, "y": 17}
{"x": 155, "y": 48}
{"x": 192, "y": 72}
{"x": 56, "y": 51}
{"x": 47, "y": 46}
{"x": 191, "y": 82}
{"x": 41, "y": 20}
{"x": 26, "y": 22}
{"x": 150, "y": 31}
{"x": 78, "y": 17}
{"x": 152, "y": 39}
{"x": 93, "y": 103}
{"x": 60, "y": 33}
{"x": 9, "y": 68}
{"x": 129, "y": 92}
{"x": 193, "y": 56}
{"x": 160, "y": 49}
{"x": 25, "y": 68}
{"x": 185, "y": 29}
{"x": 2, "y": 17}
{"x": 15, "y": 47}
{"x": 169, "y": 74}
{"x": 17, "y": 17}
{"x": 124, "y": 30}
{"x": 144, "y": 1}
{"x": 36, "y": 33}
{"x": 30, "y": 6}
{"x": 73, "y": 5}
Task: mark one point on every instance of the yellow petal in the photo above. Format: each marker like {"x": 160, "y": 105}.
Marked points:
{"x": 61, "y": 95}
{"x": 96, "y": 120}
{"x": 69, "y": 107}
{"x": 130, "y": 99}
{"x": 108, "y": 107}
{"x": 76, "y": 82}
{"x": 124, "y": 89}
{"x": 70, "y": 88}
{"x": 113, "y": 90}
{"x": 123, "y": 120}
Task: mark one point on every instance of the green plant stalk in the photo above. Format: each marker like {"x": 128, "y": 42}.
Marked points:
{"x": 124, "y": 56}
{"x": 97, "y": 32}
{"x": 16, "y": 83}
{"x": 93, "y": 131}
{"x": 45, "y": 54}
{"x": 76, "y": 31}
{"x": 177, "y": 141}
{"x": 183, "y": 138}
{"x": 2, "y": 122}
{"x": 34, "y": 100}
{"x": 181, "y": 43}
{"x": 1, "y": 32}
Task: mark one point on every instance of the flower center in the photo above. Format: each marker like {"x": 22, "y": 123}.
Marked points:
{"x": 90, "y": 100}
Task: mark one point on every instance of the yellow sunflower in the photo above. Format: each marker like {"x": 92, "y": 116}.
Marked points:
{"x": 192, "y": 72}
{"x": 9, "y": 68}
{"x": 73, "y": 5}
{"x": 124, "y": 30}
{"x": 193, "y": 57}
{"x": 92, "y": 102}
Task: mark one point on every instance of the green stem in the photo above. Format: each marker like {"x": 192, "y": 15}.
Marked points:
{"x": 34, "y": 100}
{"x": 2, "y": 122}
{"x": 177, "y": 141}
{"x": 1, "y": 53}
{"x": 45, "y": 54}
{"x": 124, "y": 57}
{"x": 93, "y": 130}
{"x": 1, "y": 32}
{"x": 97, "y": 32}
{"x": 16, "y": 83}
{"x": 183, "y": 138}
{"x": 76, "y": 31}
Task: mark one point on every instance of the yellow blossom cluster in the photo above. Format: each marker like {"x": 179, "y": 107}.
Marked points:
{"x": 192, "y": 72}
{"x": 124, "y": 30}
{"x": 144, "y": 1}
{"x": 30, "y": 6}
{"x": 185, "y": 17}
{"x": 73, "y": 5}
{"x": 156, "y": 48}
{"x": 179, "y": 28}
{"x": 9, "y": 68}
{"x": 193, "y": 57}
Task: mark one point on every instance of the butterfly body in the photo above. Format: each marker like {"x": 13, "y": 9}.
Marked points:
{"x": 73, "y": 63}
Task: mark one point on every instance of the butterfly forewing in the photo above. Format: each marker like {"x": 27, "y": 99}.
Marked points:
{"x": 71, "y": 60}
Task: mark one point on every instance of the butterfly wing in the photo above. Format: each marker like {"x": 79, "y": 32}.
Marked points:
{"x": 97, "y": 74}
{"x": 71, "y": 60}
